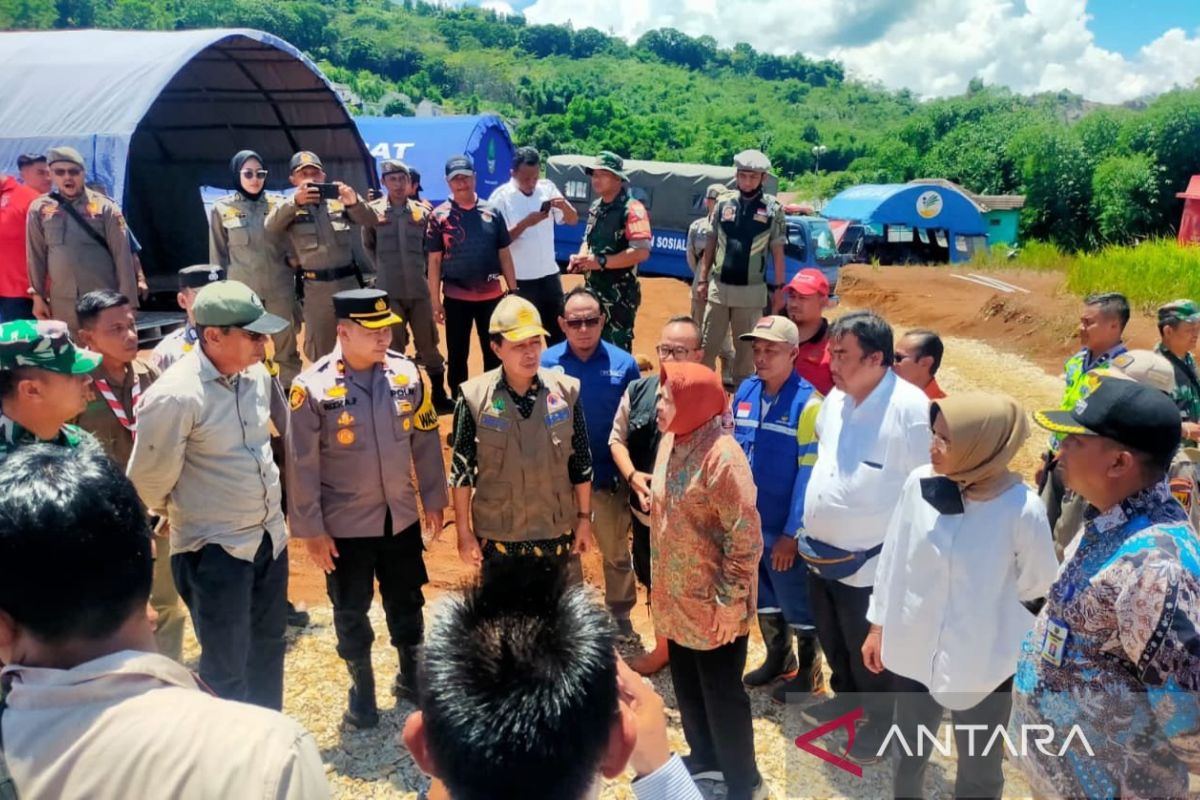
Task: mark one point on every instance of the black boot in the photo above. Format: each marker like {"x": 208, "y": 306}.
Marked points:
{"x": 780, "y": 660}
{"x": 442, "y": 403}
{"x": 362, "y": 713}
{"x": 809, "y": 680}
{"x": 405, "y": 685}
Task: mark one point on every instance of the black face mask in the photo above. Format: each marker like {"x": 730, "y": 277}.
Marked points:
{"x": 943, "y": 494}
{"x": 236, "y": 165}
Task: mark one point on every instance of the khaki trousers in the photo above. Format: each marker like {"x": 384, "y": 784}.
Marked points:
{"x": 722, "y": 321}
{"x": 612, "y": 535}
{"x": 699, "y": 311}
{"x": 418, "y": 315}
{"x": 164, "y": 599}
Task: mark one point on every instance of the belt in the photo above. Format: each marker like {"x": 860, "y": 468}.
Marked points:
{"x": 329, "y": 274}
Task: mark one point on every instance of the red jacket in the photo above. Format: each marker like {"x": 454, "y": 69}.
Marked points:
{"x": 14, "y": 206}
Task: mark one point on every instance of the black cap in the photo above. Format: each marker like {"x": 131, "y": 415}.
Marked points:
{"x": 198, "y": 276}
{"x": 459, "y": 165}
{"x": 305, "y": 158}
{"x": 368, "y": 307}
{"x": 25, "y": 159}
{"x": 414, "y": 177}
{"x": 1132, "y": 414}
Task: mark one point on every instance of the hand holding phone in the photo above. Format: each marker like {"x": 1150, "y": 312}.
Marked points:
{"x": 327, "y": 191}
{"x": 546, "y": 205}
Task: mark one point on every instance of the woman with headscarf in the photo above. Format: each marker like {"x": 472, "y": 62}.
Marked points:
{"x": 968, "y": 550}
{"x": 238, "y": 241}
{"x": 705, "y": 544}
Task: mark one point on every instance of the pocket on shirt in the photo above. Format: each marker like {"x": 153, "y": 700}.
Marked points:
{"x": 304, "y": 236}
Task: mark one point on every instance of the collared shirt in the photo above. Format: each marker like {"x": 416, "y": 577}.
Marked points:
{"x": 397, "y": 247}
{"x": 532, "y": 251}
{"x": 671, "y": 781}
{"x": 697, "y": 239}
{"x": 949, "y": 588}
{"x": 812, "y": 360}
{"x": 13, "y": 436}
{"x": 100, "y": 420}
{"x": 1075, "y": 370}
{"x": 865, "y": 453}
{"x": 203, "y": 455}
{"x": 602, "y": 379}
{"x": 15, "y": 199}
{"x": 134, "y": 724}
{"x": 470, "y": 241}
{"x": 172, "y": 347}
{"x": 1115, "y": 651}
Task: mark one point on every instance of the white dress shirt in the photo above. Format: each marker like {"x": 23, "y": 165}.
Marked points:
{"x": 533, "y": 251}
{"x": 865, "y": 451}
{"x": 949, "y": 589}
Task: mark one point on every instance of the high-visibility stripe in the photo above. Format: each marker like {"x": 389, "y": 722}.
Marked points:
{"x": 775, "y": 427}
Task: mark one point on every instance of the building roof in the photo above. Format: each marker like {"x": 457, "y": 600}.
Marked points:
{"x": 984, "y": 202}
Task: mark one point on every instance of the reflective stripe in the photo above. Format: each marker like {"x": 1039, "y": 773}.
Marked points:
{"x": 777, "y": 428}
{"x": 809, "y": 460}
{"x": 745, "y": 423}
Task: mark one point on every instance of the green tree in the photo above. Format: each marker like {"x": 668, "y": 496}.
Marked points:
{"x": 1125, "y": 196}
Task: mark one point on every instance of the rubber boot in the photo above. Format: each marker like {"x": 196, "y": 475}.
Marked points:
{"x": 362, "y": 713}
{"x": 650, "y": 663}
{"x": 780, "y": 661}
{"x": 405, "y": 686}
{"x": 809, "y": 680}
{"x": 442, "y": 403}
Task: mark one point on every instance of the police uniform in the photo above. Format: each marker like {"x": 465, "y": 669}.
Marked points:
{"x": 697, "y": 240}
{"x": 66, "y": 259}
{"x": 175, "y": 344}
{"x": 322, "y": 239}
{"x": 353, "y": 441}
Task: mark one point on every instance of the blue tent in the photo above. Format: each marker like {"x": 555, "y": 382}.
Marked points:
{"x": 158, "y": 114}
{"x": 426, "y": 142}
{"x": 918, "y": 211}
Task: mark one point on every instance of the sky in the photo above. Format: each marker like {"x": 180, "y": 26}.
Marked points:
{"x": 1106, "y": 50}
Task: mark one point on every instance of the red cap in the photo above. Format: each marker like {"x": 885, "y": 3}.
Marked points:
{"x": 809, "y": 282}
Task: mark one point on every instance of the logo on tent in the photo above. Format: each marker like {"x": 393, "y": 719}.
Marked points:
{"x": 929, "y": 204}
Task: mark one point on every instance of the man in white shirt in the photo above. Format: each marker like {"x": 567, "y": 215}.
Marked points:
{"x": 527, "y": 203}
{"x": 92, "y": 711}
{"x": 872, "y": 431}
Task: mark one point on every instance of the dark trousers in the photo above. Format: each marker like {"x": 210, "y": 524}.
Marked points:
{"x": 840, "y": 615}
{"x": 461, "y": 316}
{"x": 239, "y": 611}
{"x": 715, "y": 711}
{"x": 641, "y": 552}
{"x": 15, "y": 308}
{"x": 398, "y": 562}
{"x": 977, "y": 776}
{"x": 546, "y": 294}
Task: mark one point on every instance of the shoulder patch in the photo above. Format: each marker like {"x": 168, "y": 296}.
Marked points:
{"x": 297, "y": 397}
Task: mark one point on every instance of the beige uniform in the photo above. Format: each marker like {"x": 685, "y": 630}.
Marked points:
{"x": 65, "y": 262}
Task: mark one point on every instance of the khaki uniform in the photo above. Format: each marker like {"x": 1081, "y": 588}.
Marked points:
{"x": 321, "y": 237}
{"x": 65, "y": 262}
{"x": 397, "y": 246}
{"x": 238, "y": 241}
{"x": 697, "y": 239}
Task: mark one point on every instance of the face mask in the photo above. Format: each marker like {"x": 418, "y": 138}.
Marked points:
{"x": 943, "y": 494}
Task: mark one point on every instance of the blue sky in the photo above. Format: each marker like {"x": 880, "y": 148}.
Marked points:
{"x": 1123, "y": 26}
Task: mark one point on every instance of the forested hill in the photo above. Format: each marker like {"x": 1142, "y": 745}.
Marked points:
{"x": 1091, "y": 174}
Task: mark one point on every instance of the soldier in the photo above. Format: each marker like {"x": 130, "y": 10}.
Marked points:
{"x": 238, "y": 241}
{"x": 397, "y": 246}
{"x": 181, "y": 340}
{"x": 699, "y": 232}
{"x": 76, "y": 241}
{"x": 318, "y": 232}
{"x": 616, "y": 240}
{"x": 733, "y": 273}
{"x": 361, "y": 422}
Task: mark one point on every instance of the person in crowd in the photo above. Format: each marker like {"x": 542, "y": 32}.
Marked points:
{"x": 76, "y": 241}
{"x": 705, "y": 545}
{"x": 774, "y": 418}
{"x": 532, "y": 206}
{"x": 91, "y": 710}
{"x": 238, "y": 241}
{"x": 918, "y": 357}
{"x": 524, "y": 641}
{"x": 1113, "y": 652}
{"x": 467, "y": 244}
{"x": 397, "y": 246}
{"x": 872, "y": 432}
{"x": 747, "y": 226}
{"x": 1178, "y": 329}
{"x": 634, "y": 446}
{"x": 617, "y": 238}
{"x": 521, "y": 466}
{"x": 806, "y": 297}
{"x": 603, "y": 371}
{"x": 107, "y": 327}
{"x": 967, "y": 551}
{"x": 183, "y": 340}
{"x": 360, "y": 417}
{"x": 318, "y": 231}
{"x": 202, "y": 459}
{"x": 414, "y": 189}
{"x": 135, "y": 247}
{"x": 698, "y": 235}
{"x": 15, "y": 199}
{"x": 35, "y": 172}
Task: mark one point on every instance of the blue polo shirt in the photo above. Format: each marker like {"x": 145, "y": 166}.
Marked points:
{"x": 603, "y": 379}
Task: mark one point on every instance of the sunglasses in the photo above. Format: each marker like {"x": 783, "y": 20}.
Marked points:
{"x": 74, "y": 172}
{"x": 586, "y": 322}
{"x": 251, "y": 174}
{"x": 665, "y": 352}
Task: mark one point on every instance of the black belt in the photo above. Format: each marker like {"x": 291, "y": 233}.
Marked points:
{"x": 347, "y": 271}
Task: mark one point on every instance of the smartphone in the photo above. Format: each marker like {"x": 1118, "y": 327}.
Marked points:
{"x": 545, "y": 206}
{"x": 329, "y": 191}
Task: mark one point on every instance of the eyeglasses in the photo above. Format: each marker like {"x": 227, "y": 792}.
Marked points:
{"x": 940, "y": 443}
{"x": 665, "y": 351}
{"x": 585, "y": 322}
{"x": 74, "y": 172}
{"x": 251, "y": 174}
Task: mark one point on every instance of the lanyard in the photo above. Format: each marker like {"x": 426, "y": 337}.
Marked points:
{"x": 114, "y": 403}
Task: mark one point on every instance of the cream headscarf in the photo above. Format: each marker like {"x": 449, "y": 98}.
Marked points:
{"x": 986, "y": 431}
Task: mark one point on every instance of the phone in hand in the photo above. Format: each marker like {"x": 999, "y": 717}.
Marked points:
{"x": 546, "y": 204}
{"x": 328, "y": 191}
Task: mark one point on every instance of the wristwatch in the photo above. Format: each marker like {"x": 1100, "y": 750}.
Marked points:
{"x": 590, "y": 516}
{"x": 602, "y": 261}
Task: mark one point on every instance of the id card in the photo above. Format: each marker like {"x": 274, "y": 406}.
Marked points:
{"x": 1055, "y": 643}
{"x": 494, "y": 422}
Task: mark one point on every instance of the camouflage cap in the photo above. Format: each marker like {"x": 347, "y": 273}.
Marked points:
{"x": 516, "y": 319}
{"x": 391, "y": 165}
{"x": 44, "y": 344}
{"x": 1178, "y": 311}
{"x": 715, "y": 190}
{"x": 609, "y": 162}
{"x": 752, "y": 161}
{"x": 64, "y": 153}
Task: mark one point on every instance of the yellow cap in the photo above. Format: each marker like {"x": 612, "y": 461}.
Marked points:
{"x": 516, "y": 319}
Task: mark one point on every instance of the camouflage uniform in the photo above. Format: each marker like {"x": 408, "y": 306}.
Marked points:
{"x": 614, "y": 228}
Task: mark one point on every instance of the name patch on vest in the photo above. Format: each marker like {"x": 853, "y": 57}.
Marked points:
{"x": 556, "y": 410}
{"x": 494, "y": 422}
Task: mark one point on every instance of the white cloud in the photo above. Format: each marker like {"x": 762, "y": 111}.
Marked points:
{"x": 499, "y": 6}
{"x": 933, "y": 47}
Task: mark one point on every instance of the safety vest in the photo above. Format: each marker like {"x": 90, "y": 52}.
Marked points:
{"x": 1076, "y": 370}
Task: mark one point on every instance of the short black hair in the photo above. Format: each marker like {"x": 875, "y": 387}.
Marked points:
{"x": 526, "y": 157}
{"x": 29, "y": 159}
{"x": 75, "y": 557}
{"x": 928, "y": 343}
{"x": 1112, "y": 304}
{"x": 519, "y": 685}
{"x": 9, "y": 378}
{"x": 95, "y": 302}
{"x": 872, "y": 331}
{"x": 688, "y": 319}
{"x": 414, "y": 177}
{"x": 584, "y": 290}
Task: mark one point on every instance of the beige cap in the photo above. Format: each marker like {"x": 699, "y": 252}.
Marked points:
{"x": 1144, "y": 366}
{"x": 715, "y": 190}
{"x": 774, "y": 329}
{"x": 516, "y": 319}
{"x": 65, "y": 153}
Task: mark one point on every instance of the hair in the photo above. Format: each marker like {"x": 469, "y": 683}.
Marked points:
{"x": 581, "y": 290}
{"x": 415, "y": 178}
{"x": 872, "y": 331}
{"x": 89, "y": 307}
{"x": 75, "y": 557}
{"x": 1111, "y": 304}
{"x": 928, "y": 343}
{"x": 686, "y": 319}
{"x": 526, "y": 157}
{"x": 29, "y": 159}
{"x": 519, "y": 685}
{"x": 9, "y": 378}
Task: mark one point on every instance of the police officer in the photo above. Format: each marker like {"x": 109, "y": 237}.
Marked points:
{"x": 397, "y": 246}
{"x": 182, "y": 340}
{"x": 238, "y": 241}
{"x": 616, "y": 240}
{"x": 361, "y": 421}
{"x": 699, "y": 232}
{"x": 747, "y": 225}
{"x": 76, "y": 241}
{"x": 318, "y": 232}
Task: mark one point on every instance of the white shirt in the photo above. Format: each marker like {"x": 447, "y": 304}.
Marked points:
{"x": 533, "y": 251}
{"x": 949, "y": 589}
{"x": 864, "y": 454}
{"x": 136, "y": 725}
